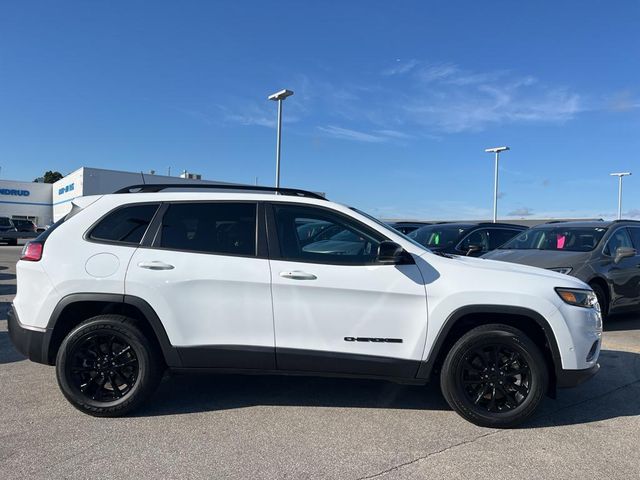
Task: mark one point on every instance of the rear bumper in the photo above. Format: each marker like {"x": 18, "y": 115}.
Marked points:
{"x": 31, "y": 343}
{"x": 573, "y": 378}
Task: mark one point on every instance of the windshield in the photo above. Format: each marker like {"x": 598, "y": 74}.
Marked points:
{"x": 439, "y": 236}
{"x": 5, "y": 222}
{"x": 559, "y": 238}
{"x": 388, "y": 228}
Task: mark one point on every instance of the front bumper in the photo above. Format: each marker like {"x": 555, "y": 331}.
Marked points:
{"x": 573, "y": 378}
{"x": 31, "y": 343}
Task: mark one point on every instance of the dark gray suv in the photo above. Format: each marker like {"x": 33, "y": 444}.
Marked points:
{"x": 602, "y": 254}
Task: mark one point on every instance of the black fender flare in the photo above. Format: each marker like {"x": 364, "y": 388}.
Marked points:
{"x": 170, "y": 353}
{"x": 426, "y": 366}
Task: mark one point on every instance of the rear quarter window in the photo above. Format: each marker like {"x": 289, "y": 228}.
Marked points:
{"x": 125, "y": 224}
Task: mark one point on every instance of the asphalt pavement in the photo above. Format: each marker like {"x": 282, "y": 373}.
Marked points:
{"x": 264, "y": 427}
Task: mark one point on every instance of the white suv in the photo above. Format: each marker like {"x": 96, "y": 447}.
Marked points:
{"x": 259, "y": 280}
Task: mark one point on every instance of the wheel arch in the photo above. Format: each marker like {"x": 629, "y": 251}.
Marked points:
{"x": 534, "y": 325}
{"x": 602, "y": 282}
{"x": 75, "y": 308}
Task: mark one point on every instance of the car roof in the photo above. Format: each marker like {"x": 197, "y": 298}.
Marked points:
{"x": 580, "y": 224}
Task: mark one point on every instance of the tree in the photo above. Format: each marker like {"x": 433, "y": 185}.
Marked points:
{"x": 51, "y": 177}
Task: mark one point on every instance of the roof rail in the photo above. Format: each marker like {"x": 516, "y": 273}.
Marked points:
{"x": 158, "y": 187}
{"x": 623, "y": 220}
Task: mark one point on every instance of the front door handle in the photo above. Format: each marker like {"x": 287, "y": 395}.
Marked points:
{"x": 298, "y": 275}
{"x": 156, "y": 265}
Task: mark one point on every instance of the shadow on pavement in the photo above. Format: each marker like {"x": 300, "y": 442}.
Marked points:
{"x": 622, "y": 322}
{"x": 199, "y": 393}
{"x": 181, "y": 394}
{"x": 8, "y": 354}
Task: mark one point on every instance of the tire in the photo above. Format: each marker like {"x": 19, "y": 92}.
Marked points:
{"x": 474, "y": 391}
{"x": 602, "y": 299}
{"x": 106, "y": 367}
{"x": 12, "y": 242}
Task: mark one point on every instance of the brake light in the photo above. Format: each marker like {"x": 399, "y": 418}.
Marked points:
{"x": 32, "y": 252}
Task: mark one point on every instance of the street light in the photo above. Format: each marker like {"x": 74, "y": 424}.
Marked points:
{"x": 620, "y": 175}
{"x": 497, "y": 151}
{"x": 279, "y": 97}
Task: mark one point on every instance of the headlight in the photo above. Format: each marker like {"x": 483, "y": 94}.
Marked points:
{"x": 579, "y": 297}
{"x": 565, "y": 270}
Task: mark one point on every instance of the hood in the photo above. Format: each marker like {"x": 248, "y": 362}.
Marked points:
{"x": 490, "y": 265}
{"x": 540, "y": 258}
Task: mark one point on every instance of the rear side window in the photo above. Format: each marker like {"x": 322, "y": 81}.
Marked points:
{"x": 221, "y": 228}
{"x": 125, "y": 225}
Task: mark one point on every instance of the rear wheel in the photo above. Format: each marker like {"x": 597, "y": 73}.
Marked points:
{"x": 107, "y": 367}
{"x": 494, "y": 376}
{"x": 13, "y": 242}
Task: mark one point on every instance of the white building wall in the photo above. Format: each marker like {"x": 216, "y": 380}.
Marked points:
{"x": 26, "y": 200}
{"x": 97, "y": 181}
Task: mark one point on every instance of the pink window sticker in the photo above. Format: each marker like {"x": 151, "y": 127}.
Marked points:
{"x": 560, "y": 239}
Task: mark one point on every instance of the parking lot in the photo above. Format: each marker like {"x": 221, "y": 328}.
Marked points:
{"x": 207, "y": 426}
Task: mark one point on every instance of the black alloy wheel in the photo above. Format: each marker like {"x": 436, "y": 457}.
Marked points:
{"x": 107, "y": 367}
{"x": 103, "y": 367}
{"x": 494, "y": 376}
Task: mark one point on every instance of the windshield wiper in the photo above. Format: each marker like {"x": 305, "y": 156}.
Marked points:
{"x": 442, "y": 254}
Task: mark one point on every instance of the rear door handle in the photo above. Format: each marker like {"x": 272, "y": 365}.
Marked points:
{"x": 298, "y": 275}
{"x": 156, "y": 265}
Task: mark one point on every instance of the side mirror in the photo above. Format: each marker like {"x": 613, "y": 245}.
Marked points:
{"x": 473, "y": 249}
{"x": 624, "y": 252}
{"x": 389, "y": 253}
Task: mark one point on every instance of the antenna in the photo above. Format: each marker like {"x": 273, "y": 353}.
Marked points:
{"x": 142, "y": 174}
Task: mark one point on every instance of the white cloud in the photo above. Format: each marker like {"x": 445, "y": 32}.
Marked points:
{"x": 521, "y": 212}
{"x": 348, "y": 134}
{"x": 402, "y": 67}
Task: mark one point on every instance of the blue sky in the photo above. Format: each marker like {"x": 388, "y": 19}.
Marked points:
{"x": 394, "y": 101}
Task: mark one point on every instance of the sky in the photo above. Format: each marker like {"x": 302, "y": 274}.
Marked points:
{"x": 394, "y": 102}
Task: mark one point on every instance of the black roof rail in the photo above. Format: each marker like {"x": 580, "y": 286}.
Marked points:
{"x": 623, "y": 220}
{"x": 500, "y": 224}
{"x": 158, "y": 187}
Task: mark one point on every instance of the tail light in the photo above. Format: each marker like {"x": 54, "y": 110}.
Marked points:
{"x": 32, "y": 252}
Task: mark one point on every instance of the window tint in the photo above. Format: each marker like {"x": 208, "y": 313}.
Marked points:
{"x": 223, "y": 228}
{"x": 561, "y": 238}
{"x": 479, "y": 237}
{"x": 620, "y": 238}
{"x": 126, "y": 225}
{"x": 500, "y": 236}
{"x": 5, "y": 222}
{"x": 635, "y": 237}
{"x": 317, "y": 235}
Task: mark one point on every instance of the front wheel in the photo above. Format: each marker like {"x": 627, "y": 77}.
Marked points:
{"x": 494, "y": 376}
{"x": 107, "y": 367}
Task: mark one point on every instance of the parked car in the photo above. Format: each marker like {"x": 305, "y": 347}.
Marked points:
{"x": 602, "y": 254}
{"x": 408, "y": 227}
{"x": 7, "y": 226}
{"x": 25, "y": 226}
{"x": 471, "y": 239}
{"x": 129, "y": 284}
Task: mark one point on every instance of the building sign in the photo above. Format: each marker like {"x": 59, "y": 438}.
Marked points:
{"x": 65, "y": 189}
{"x": 14, "y": 193}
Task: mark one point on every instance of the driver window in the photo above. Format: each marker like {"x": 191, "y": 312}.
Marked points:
{"x": 479, "y": 237}
{"x": 620, "y": 238}
{"x": 318, "y": 235}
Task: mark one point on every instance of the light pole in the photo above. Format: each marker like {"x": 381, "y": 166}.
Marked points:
{"x": 279, "y": 97}
{"x": 497, "y": 151}
{"x": 620, "y": 175}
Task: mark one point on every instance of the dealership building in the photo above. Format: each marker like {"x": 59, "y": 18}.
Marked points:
{"x": 44, "y": 203}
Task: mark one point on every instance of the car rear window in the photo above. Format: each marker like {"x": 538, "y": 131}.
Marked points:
{"x": 125, "y": 225}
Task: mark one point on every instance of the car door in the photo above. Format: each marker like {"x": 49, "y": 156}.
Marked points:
{"x": 207, "y": 277}
{"x": 336, "y": 310}
{"x": 623, "y": 276}
{"x": 635, "y": 262}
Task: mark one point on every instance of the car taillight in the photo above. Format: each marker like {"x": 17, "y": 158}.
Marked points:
{"x": 32, "y": 252}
